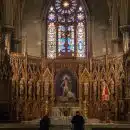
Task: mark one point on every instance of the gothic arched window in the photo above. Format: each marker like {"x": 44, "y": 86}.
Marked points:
{"x": 66, "y": 30}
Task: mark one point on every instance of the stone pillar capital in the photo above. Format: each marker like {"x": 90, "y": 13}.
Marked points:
{"x": 7, "y": 28}
{"x": 17, "y": 41}
{"x": 125, "y": 28}
{"x": 116, "y": 40}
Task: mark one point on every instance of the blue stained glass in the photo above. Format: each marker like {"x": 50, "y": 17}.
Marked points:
{"x": 51, "y": 17}
{"x": 80, "y": 47}
{"x": 80, "y": 40}
{"x": 65, "y": 39}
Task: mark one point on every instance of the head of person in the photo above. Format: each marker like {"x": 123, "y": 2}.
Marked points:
{"x": 46, "y": 114}
{"x": 77, "y": 113}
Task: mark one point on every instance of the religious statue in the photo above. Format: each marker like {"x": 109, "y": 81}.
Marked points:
{"x": 30, "y": 85}
{"x": 46, "y": 87}
{"x": 105, "y": 91}
{"x": 112, "y": 87}
{"x": 21, "y": 87}
{"x": 67, "y": 87}
{"x": 86, "y": 89}
{"x": 95, "y": 85}
{"x": 38, "y": 87}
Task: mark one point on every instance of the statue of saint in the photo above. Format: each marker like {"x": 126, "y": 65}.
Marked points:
{"x": 95, "y": 85}
{"x": 38, "y": 87}
{"x": 46, "y": 87}
{"x": 67, "y": 87}
{"x": 105, "y": 91}
{"x": 22, "y": 87}
{"x": 86, "y": 89}
{"x": 112, "y": 86}
{"x": 30, "y": 85}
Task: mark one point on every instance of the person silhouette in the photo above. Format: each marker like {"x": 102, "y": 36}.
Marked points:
{"x": 77, "y": 122}
{"x": 45, "y": 122}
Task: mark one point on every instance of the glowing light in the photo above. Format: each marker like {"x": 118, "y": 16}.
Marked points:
{"x": 66, "y": 4}
{"x": 80, "y": 8}
{"x": 51, "y": 8}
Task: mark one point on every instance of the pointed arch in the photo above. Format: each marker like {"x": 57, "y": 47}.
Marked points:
{"x": 85, "y": 76}
{"x": 47, "y": 75}
{"x": 62, "y": 38}
{"x": 47, "y": 5}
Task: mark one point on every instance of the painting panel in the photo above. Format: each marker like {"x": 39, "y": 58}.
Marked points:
{"x": 66, "y": 86}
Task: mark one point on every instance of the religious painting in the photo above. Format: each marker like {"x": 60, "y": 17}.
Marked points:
{"x": 66, "y": 86}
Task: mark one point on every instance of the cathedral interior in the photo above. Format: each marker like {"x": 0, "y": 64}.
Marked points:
{"x": 60, "y": 56}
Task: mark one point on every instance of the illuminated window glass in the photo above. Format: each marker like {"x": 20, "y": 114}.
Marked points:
{"x": 66, "y": 30}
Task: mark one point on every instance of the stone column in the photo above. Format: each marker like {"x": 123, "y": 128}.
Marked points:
{"x": 7, "y": 17}
{"x": 125, "y": 29}
{"x": 109, "y": 34}
{"x": 43, "y": 38}
{"x": 17, "y": 40}
{"x": 8, "y": 21}
{"x": 123, "y": 12}
{"x": 115, "y": 39}
{"x": 91, "y": 30}
{"x": 123, "y": 24}
{"x": 126, "y": 44}
{"x": 24, "y": 44}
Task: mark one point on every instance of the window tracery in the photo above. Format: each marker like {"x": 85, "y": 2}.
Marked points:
{"x": 66, "y": 30}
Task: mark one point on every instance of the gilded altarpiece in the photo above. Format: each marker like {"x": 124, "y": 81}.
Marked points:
{"x": 40, "y": 86}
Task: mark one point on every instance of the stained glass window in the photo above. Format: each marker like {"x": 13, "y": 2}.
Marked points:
{"x": 65, "y": 6}
{"x": 66, "y": 40}
{"x": 51, "y": 35}
{"x": 66, "y": 35}
{"x": 81, "y": 48}
{"x": 51, "y": 45}
{"x": 80, "y": 40}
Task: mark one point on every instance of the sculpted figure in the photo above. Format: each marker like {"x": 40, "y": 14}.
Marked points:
{"x": 86, "y": 88}
{"x": 22, "y": 87}
{"x": 38, "y": 87}
{"x": 105, "y": 91}
{"x": 14, "y": 92}
{"x": 30, "y": 83}
{"x": 46, "y": 87}
{"x": 95, "y": 89}
{"x": 112, "y": 86}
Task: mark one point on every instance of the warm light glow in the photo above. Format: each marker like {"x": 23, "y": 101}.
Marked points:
{"x": 51, "y": 8}
{"x": 80, "y": 8}
{"x": 66, "y": 4}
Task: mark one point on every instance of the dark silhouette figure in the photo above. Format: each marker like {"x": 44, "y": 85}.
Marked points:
{"x": 45, "y": 123}
{"x": 78, "y": 122}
